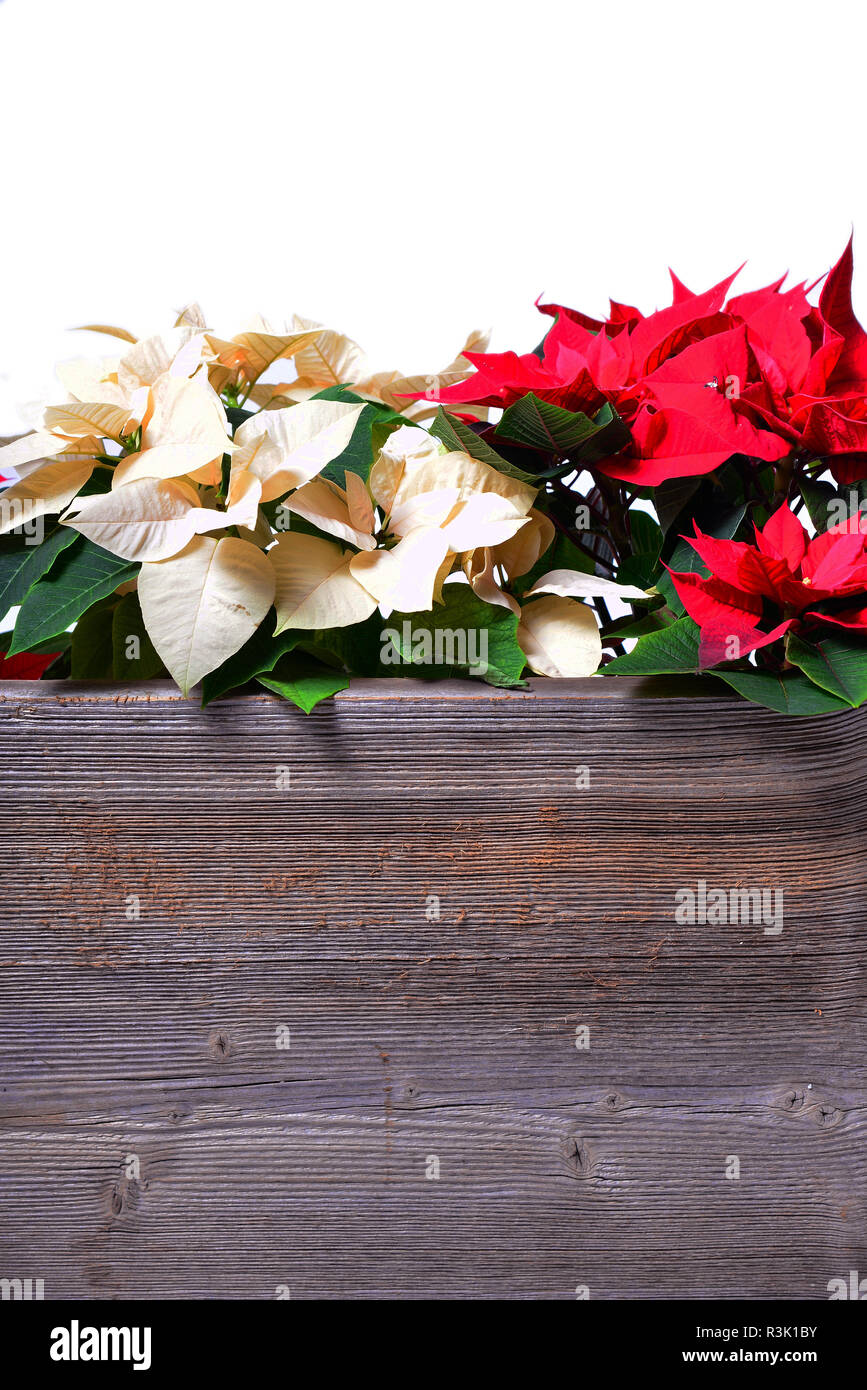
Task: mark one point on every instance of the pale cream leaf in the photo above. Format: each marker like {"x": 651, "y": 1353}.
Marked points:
{"x": 314, "y": 586}
{"x": 406, "y": 577}
{"x": 108, "y": 329}
{"x": 78, "y": 418}
{"x": 575, "y": 584}
{"x": 329, "y": 358}
{"x": 560, "y": 637}
{"x": 149, "y": 519}
{"x": 202, "y": 605}
{"x": 325, "y": 505}
{"x": 305, "y": 437}
{"x": 44, "y": 491}
{"x": 37, "y": 446}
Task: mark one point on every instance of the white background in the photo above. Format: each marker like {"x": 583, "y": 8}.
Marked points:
{"x": 408, "y": 171}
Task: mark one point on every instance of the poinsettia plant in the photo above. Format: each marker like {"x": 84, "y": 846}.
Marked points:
{"x": 677, "y": 492}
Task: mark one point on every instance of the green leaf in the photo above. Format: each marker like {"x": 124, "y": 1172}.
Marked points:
{"x": 670, "y": 651}
{"x": 789, "y": 692}
{"x": 645, "y": 533}
{"x": 685, "y": 560}
{"x": 359, "y": 454}
{"x": 259, "y": 655}
{"x": 540, "y": 424}
{"x": 91, "y": 653}
{"x": 81, "y": 576}
{"x": 853, "y": 497}
{"x": 830, "y": 506}
{"x": 59, "y": 643}
{"x": 646, "y": 538}
{"x": 338, "y": 393}
{"x": 236, "y": 415}
{"x": 60, "y": 668}
{"x": 303, "y": 680}
{"x": 836, "y": 664}
{"x": 458, "y": 436}
{"x": 818, "y": 496}
{"x": 127, "y": 624}
{"x": 357, "y": 647}
{"x": 671, "y": 497}
{"x": 22, "y": 565}
{"x": 463, "y": 636}
{"x": 99, "y": 482}
{"x": 385, "y": 424}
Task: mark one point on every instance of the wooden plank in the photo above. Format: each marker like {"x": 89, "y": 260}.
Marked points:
{"x": 284, "y": 868}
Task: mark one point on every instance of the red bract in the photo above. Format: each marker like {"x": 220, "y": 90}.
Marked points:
{"x": 784, "y": 575}
{"x": 28, "y": 666}
{"x": 763, "y": 374}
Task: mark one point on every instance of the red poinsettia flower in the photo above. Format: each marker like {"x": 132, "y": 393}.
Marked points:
{"x": 27, "y": 666}
{"x": 764, "y": 374}
{"x": 785, "y": 575}
{"x": 670, "y": 376}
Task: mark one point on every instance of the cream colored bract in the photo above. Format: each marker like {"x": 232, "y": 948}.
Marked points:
{"x": 176, "y": 455}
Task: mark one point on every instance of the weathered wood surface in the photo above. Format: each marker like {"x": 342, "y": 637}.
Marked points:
{"x": 303, "y": 906}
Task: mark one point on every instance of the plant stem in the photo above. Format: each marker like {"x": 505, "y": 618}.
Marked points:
{"x": 618, "y": 534}
{"x": 574, "y": 536}
{"x": 783, "y": 475}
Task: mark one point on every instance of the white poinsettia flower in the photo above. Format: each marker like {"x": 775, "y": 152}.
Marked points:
{"x": 408, "y": 447}
{"x": 56, "y": 461}
{"x": 237, "y": 363}
{"x": 477, "y": 507}
{"x": 145, "y": 392}
{"x": 434, "y": 507}
{"x": 184, "y": 432}
{"x": 189, "y": 498}
{"x": 286, "y": 448}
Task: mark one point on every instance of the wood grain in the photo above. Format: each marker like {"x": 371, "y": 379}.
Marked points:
{"x": 284, "y": 868}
